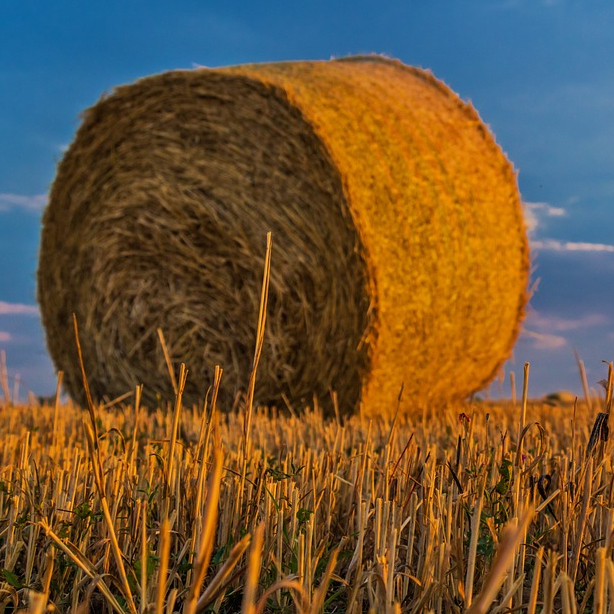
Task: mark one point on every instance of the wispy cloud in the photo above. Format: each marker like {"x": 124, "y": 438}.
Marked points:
{"x": 571, "y": 246}
{"x": 545, "y": 341}
{"x": 547, "y": 331}
{"x": 5, "y": 337}
{"x": 554, "y": 323}
{"x": 534, "y": 214}
{"x": 36, "y": 202}
{"x": 18, "y": 309}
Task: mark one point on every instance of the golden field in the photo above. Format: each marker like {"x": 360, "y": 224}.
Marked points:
{"x": 475, "y": 507}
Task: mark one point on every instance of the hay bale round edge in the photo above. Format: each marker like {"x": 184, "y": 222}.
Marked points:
{"x": 400, "y": 254}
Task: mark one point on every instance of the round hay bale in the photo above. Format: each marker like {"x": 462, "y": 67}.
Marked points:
{"x": 399, "y": 249}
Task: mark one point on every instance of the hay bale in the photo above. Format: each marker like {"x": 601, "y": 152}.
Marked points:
{"x": 399, "y": 255}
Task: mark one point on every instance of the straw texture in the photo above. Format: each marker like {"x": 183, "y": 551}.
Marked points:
{"x": 400, "y": 254}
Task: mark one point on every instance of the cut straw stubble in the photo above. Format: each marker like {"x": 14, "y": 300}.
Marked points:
{"x": 91, "y": 432}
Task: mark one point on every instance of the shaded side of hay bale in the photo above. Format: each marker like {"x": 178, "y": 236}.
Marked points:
{"x": 399, "y": 248}
{"x": 158, "y": 218}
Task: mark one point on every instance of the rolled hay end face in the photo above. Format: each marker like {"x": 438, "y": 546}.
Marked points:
{"x": 399, "y": 249}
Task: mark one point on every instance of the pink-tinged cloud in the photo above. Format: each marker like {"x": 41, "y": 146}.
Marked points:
{"x": 35, "y": 202}
{"x": 556, "y": 324}
{"x": 571, "y": 246}
{"x": 545, "y": 341}
{"x": 5, "y": 337}
{"x": 18, "y": 309}
{"x": 545, "y": 330}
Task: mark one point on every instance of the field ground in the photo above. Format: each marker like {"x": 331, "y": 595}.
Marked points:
{"x": 121, "y": 509}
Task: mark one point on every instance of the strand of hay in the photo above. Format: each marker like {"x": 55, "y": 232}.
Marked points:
{"x": 400, "y": 255}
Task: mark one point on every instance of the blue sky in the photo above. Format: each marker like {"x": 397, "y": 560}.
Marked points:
{"x": 540, "y": 73}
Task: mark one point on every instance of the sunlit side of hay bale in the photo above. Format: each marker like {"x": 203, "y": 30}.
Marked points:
{"x": 400, "y": 256}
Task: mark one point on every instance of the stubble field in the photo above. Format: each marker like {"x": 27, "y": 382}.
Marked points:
{"x": 475, "y": 507}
